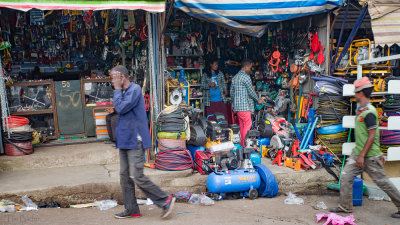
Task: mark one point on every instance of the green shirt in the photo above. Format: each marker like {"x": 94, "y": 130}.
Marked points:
{"x": 361, "y": 132}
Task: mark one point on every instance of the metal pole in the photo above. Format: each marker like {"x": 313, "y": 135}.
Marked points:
{"x": 153, "y": 75}
{"x": 156, "y": 60}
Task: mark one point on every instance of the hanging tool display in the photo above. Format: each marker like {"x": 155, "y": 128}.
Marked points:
{"x": 71, "y": 41}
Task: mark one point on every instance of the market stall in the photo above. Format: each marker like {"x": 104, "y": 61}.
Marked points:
{"x": 56, "y": 59}
{"x": 304, "y": 67}
{"x": 286, "y": 55}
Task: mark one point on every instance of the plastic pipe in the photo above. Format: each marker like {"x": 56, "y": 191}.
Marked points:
{"x": 307, "y": 138}
{"x": 306, "y": 133}
{"x": 297, "y": 133}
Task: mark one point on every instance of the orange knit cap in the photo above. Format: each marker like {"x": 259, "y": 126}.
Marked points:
{"x": 361, "y": 84}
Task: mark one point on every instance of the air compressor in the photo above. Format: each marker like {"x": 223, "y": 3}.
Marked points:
{"x": 252, "y": 183}
{"x": 247, "y": 181}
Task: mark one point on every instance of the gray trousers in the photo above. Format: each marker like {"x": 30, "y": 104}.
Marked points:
{"x": 374, "y": 167}
{"x": 131, "y": 172}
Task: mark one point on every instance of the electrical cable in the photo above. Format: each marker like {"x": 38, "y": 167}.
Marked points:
{"x": 392, "y": 104}
{"x": 174, "y": 160}
{"x": 390, "y": 138}
{"x": 173, "y": 122}
{"x": 17, "y": 138}
{"x": 17, "y": 121}
{"x": 332, "y": 108}
{"x": 334, "y": 141}
{"x": 20, "y": 137}
{"x": 326, "y": 123}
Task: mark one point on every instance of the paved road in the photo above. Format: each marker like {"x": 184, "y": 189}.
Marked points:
{"x": 244, "y": 211}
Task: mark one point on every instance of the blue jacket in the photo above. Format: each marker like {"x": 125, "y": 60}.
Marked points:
{"x": 129, "y": 104}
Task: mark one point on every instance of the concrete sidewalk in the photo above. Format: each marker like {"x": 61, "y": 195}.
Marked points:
{"x": 85, "y": 173}
{"x": 62, "y": 156}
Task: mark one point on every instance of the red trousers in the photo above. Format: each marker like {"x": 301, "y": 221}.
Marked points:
{"x": 245, "y": 124}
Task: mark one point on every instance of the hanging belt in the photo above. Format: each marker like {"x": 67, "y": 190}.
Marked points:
{"x": 351, "y": 36}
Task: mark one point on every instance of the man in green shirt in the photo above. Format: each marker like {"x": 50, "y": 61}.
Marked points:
{"x": 367, "y": 155}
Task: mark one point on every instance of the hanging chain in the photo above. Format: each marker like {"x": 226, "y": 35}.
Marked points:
{"x": 5, "y": 111}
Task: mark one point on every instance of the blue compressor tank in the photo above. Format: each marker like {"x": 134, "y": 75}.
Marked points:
{"x": 255, "y": 158}
{"x": 233, "y": 181}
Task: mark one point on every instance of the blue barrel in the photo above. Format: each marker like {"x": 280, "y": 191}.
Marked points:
{"x": 357, "y": 191}
{"x": 233, "y": 181}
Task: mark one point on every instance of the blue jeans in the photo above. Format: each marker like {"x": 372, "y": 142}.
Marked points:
{"x": 131, "y": 172}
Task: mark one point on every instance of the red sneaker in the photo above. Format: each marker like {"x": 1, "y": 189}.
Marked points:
{"x": 126, "y": 215}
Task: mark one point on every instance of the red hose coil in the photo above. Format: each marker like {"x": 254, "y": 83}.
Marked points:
{"x": 17, "y": 121}
{"x": 174, "y": 160}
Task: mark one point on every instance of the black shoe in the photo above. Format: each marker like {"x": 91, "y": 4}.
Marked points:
{"x": 126, "y": 214}
{"x": 396, "y": 215}
{"x": 168, "y": 207}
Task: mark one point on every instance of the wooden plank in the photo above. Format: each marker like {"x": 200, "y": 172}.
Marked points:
{"x": 32, "y": 83}
{"x": 54, "y": 104}
{"x": 75, "y": 135}
{"x": 96, "y": 80}
{"x": 27, "y": 113}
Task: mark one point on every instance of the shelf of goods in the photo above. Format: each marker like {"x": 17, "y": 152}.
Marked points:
{"x": 191, "y": 85}
{"x": 97, "y": 94}
{"x": 36, "y": 98}
{"x": 393, "y": 122}
{"x": 393, "y": 87}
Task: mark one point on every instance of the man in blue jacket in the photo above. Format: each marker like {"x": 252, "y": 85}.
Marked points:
{"x": 132, "y": 137}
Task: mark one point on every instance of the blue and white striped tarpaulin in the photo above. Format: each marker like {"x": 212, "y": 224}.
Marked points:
{"x": 251, "y": 17}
